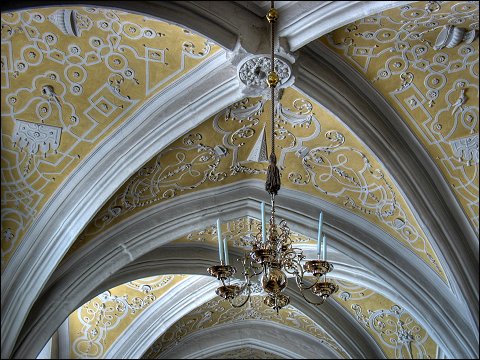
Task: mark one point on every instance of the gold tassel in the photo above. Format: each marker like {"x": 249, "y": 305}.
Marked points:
{"x": 272, "y": 184}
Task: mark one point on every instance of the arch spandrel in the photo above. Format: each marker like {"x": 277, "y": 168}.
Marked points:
{"x": 399, "y": 335}
{"x": 219, "y": 312}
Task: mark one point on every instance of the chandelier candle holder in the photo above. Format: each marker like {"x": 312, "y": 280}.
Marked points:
{"x": 272, "y": 257}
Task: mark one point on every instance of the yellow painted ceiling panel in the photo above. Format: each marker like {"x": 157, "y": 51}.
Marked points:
{"x": 98, "y": 323}
{"x": 399, "y": 335}
{"x": 69, "y": 77}
{"x": 434, "y": 90}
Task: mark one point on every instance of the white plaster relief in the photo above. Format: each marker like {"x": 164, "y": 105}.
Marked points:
{"x": 397, "y": 330}
{"x": 466, "y": 148}
{"x": 259, "y": 150}
{"x": 20, "y": 191}
{"x": 36, "y": 136}
{"x": 106, "y": 312}
{"x": 451, "y": 36}
{"x": 70, "y": 22}
{"x": 254, "y": 71}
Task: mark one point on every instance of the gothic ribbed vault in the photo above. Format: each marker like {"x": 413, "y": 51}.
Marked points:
{"x": 128, "y": 129}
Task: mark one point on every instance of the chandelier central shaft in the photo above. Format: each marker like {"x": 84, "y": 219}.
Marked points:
{"x": 272, "y": 257}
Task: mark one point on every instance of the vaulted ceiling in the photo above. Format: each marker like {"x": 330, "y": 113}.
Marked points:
{"x": 127, "y": 132}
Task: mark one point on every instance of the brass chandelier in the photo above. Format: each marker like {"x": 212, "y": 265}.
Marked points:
{"x": 272, "y": 256}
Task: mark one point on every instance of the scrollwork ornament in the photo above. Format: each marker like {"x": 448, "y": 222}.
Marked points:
{"x": 336, "y": 137}
{"x": 100, "y": 316}
{"x": 407, "y": 79}
{"x": 41, "y": 77}
{"x": 218, "y": 311}
{"x": 302, "y": 116}
{"x": 190, "y": 49}
{"x": 192, "y": 139}
{"x": 433, "y": 6}
{"x": 423, "y": 31}
{"x": 398, "y": 330}
{"x": 298, "y": 178}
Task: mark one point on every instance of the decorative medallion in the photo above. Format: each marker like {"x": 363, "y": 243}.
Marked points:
{"x": 253, "y": 73}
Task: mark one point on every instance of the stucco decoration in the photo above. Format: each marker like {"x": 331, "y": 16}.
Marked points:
{"x": 69, "y": 77}
{"x": 398, "y": 333}
{"x": 253, "y": 71}
{"x": 238, "y": 233}
{"x": 218, "y": 311}
{"x": 317, "y": 155}
{"x": 97, "y": 323}
{"x": 434, "y": 90}
{"x": 247, "y": 353}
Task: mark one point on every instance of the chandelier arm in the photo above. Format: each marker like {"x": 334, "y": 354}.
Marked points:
{"x": 322, "y": 300}
{"x": 252, "y": 267}
{"x": 243, "y": 303}
{"x": 246, "y": 272}
{"x": 291, "y": 266}
{"x": 301, "y": 282}
{"x": 299, "y": 273}
{"x": 256, "y": 274}
{"x": 246, "y": 285}
{"x": 247, "y": 296}
{"x": 292, "y": 258}
{"x": 243, "y": 287}
{"x": 247, "y": 275}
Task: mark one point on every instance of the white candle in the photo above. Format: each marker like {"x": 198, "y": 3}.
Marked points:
{"x": 320, "y": 219}
{"x": 225, "y": 248}
{"x": 220, "y": 242}
{"x": 324, "y": 248}
{"x": 263, "y": 223}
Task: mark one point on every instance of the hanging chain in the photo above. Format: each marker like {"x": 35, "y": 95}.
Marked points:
{"x": 272, "y": 89}
{"x": 272, "y": 17}
{"x": 272, "y": 104}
